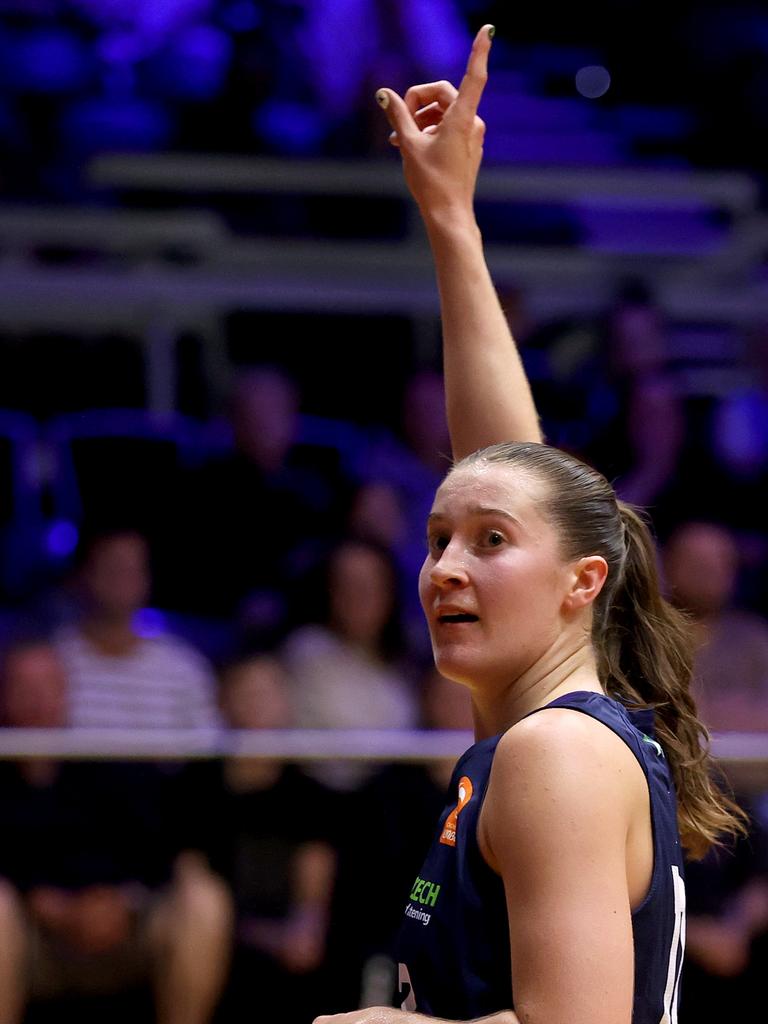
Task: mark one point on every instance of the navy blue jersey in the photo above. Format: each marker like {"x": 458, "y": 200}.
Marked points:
{"x": 454, "y": 941}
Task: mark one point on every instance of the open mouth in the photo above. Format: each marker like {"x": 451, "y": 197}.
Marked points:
{"x": 459, "y": 617}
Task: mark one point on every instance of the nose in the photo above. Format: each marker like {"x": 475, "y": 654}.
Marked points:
{"x": 449, "y": 570}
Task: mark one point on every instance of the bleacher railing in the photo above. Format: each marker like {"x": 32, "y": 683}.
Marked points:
{"x": 290, "y": 744}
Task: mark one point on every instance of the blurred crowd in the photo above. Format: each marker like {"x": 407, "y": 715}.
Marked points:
{"x": 260, "y": 572}
{"x": 265, "y": 76}
{"x": 278, "y": 589}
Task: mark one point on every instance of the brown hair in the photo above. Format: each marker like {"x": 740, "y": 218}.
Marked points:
{"x": 644, "y": 646}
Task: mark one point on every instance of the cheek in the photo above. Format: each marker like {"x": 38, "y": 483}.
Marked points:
{"x": 425, "y": 582}
{"x": 525, "y": 585}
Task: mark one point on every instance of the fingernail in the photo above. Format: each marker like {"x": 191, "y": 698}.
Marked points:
{"x": 382, "y": 98}
{"x": 491, "y": 31}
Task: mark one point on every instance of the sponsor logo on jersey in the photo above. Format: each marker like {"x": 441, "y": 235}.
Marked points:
{"x": 448, "y": 838}
{"x": 425, "y": 893}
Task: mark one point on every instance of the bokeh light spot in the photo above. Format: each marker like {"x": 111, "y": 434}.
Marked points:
{"x": 593, "y": 81}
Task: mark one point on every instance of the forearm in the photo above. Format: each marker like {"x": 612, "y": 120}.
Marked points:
{"x": 386, "y": 1015}
{"x": 502, "y": 1017}
{"x": 488, "y": 397}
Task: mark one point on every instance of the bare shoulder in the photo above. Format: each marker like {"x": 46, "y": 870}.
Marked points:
{"x": 558, "y": 739}
{"x": 560, "y": 772}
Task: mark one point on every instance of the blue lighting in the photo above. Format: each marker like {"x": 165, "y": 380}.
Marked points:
{"x": 241, "y": 16}
{"x": 194, "y": 66}
{"x": 47, "y": 60}
{"x": 150, "y": 622}
{"x": 61, "y": 539}
{"x": 289, "y": 127}
{"x": 113, "y": 123}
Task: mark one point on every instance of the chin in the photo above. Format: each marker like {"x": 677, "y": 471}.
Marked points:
{"x": 454, "y": 667}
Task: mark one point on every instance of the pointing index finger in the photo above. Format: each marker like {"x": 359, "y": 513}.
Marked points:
{"x": 476, "y": 75}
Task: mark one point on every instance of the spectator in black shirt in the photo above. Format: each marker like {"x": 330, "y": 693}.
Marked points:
{"x": 267, "y": 830}
{"x": 96, "y": 897}
{"x": 259, "y": 517}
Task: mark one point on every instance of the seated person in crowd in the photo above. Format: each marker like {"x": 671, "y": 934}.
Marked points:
{"x": 606, "y": 392}
{"x": 727, "y": 927}
{"x": 730, "y": 683}
{"x": 96, "y": 897}
{"x": 727, "y": 938}
{"x": 267, "y": 830}
{"x": 117, "y": 677}
{"x": 266, "y": 510}
{"x": 400, "y": 475}
{"x": 347, "y": 668}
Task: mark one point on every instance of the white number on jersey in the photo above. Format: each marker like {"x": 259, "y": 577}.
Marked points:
{"x": 676, "y": 951}
{"x": 405, "y": 988}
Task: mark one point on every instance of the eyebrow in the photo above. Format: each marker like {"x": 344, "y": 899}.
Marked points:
{"x": 480, "y": 510}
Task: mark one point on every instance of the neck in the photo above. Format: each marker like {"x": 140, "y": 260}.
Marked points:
{"x": 115, "y": 636}
{"x": 561, "y": 670}
{"x": 365, "y": 645}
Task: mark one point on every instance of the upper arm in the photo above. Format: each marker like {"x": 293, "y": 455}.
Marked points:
{"x": 555, "y": 823}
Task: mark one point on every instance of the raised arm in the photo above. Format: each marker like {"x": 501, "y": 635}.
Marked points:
{"x": 440, "y": 138}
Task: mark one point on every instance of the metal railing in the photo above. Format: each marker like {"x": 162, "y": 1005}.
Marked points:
{"x": 381, "y": 745}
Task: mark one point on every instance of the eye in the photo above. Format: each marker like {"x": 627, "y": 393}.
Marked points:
{"x": 494, "y": 539}
{"x": 437, "y": 542}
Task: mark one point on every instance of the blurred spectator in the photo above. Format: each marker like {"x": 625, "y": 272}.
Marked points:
{"x": 727, "y": 930}
{"x": 95, "y": 896}
{"x": 262, "y": 515}
{"x": 728, "y": 892}
{"x": 605, "y": 392}
{"x": 738, "y": 440}
{"x": 738, "y": 471}
{"x": 638, "y": 418}
{"x": 345, "y": 668}
{"x": 413, "y": 465}
{"x": 730, "y": 683}
{"x": 376, "y": 514}
{"x": 118, "y": 677}
{"x": 740, "y": 432}
{"x": 267, "y": 830}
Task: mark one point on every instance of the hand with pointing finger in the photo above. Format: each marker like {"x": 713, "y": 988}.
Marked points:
{"x": 440, "y": 136}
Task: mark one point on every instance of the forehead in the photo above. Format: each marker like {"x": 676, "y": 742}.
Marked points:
{"x": 490, "y": 485}
{"x": 353, "y": 559}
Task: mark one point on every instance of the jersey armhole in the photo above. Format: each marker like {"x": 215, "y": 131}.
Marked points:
{"x": 654, "y": 883}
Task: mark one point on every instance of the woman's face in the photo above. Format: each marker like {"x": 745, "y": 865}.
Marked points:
{"x": 255, "y": 696}
{"x": 361, "y": 593}
{"x": 117, "y": 574}
{"x": 493, "y": 582}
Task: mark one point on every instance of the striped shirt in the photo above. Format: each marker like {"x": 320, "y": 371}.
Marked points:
{"x": 163, "y": 683}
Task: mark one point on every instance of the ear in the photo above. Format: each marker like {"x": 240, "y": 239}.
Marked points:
{"x": 588, "y": 576}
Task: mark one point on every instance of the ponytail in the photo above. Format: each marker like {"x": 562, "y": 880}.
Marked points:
{"x": 645, "y": 658}
{"x": 644, "y": 646}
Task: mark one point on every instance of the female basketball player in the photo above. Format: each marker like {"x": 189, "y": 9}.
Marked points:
{"x": 553, "y": 892}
